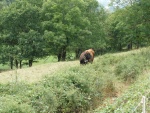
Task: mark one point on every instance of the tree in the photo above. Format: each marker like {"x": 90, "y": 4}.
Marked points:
{"x": 97, "y": 16}
{"x": 17, "y": 19}
{"x": 126, "y": 25}
{"x": 63, "y": 21}
{"x": 31, "y": 46}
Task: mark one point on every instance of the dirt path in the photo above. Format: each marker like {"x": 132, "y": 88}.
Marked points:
{"x": 35, "y": 73}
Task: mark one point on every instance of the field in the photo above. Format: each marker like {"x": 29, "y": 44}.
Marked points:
{"x": 35, "y": 73}
{"x": 114, "y": 83}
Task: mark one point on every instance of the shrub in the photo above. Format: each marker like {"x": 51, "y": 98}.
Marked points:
{"x": 43, "y": 99}
{"x": 14, "y": 104}
{"x": 131, "y": 98}
{"x": 129, "y": 68}
{"x": 78, "y": 89}
{"x": 110, "y": 60}
{"x": 14, "y": 88}
{"x": 73, "y": 91}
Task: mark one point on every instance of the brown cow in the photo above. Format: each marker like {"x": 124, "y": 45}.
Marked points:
{"x": 87, "y": 56}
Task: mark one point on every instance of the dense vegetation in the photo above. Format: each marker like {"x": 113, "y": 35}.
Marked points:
{"x": 135, "y": 69}
{"x": 34, "y": 29}
{"x": 30, "y": 30}
{"x": 81, "y": 89}
{"x": 131, "y": 100}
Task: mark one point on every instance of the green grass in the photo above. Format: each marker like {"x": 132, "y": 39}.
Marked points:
{"x": 48, "y": 59}
{"x": 82, "y": 89}
{"x": 135, "y": 69}
{"x": 45, "y": 60}
{"x": 129, "y": 101}
{"x": 4, "y": 68}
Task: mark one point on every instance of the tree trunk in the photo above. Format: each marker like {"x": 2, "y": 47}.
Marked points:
{"x": 77, "y": 51}
{"x": 120, "y": 47}
{"x": 30, "y": 62}
{"x": 99, "y": 51}
{"x": 63, "y": 55}
{"x": 20, "y": 64}
{"x": 59, "y": 57}
{"x": 138, "y": 45}
{"x": 11, "y": 62}
{"x": 130, "y": 46}
{"x": 16, "y": 61}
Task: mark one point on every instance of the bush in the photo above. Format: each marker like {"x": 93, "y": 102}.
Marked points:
{"x": 14, "y": 88}
{"x": 131, "y": 98}
{"x": 43, "y": 99}
{"x": 129, "y": 68}
{"x": 13, "y": 104}
{"x": 78, "y": 89}
{"x": 71, "y": 91}
{"x": 110, "y": 60}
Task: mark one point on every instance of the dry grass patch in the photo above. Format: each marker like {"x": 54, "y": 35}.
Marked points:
{"x": 35, "y": 73}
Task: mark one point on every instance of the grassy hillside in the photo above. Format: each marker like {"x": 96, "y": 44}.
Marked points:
{"x": 134, "y": 70}
{"x": 35, "y": 73}
{"x": 131, "y": 100}
{"x": 113, "y": 83}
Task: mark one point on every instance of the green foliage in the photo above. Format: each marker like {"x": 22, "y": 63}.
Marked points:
{"x": 80, "y": 88}
{"x": 129, "y": 68}
{"x": 65, "y": 25}
{"x": 14, "y": 104}
{"x": 31, "y": 45}
{"x": 34, "y": 29}
{"x": 128, "y": 102}
{"x": 17, "y": 19}
{"x": 127, "y": 25}
{"x": 74, "y": 90}
{"x": 110, "y": 60}
{"x": 59, "y": 27}
{"x": 13, "y": 98}
{"x": 68, "y": 92}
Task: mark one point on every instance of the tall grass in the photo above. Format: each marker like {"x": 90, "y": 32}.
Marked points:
{"x": 129, "y": 68}
{"x": 129, "y": 101}
{"x": 132, "y": 68}
{"x": 78, "y": 89}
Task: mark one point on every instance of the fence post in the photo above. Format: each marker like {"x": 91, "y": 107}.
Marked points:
{"x": 143, "y": 102}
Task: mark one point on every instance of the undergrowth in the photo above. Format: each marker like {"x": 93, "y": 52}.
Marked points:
{"x": 79, "y": 89}
{"x": 130, "y": 101}
{"x": 133, "y": 68}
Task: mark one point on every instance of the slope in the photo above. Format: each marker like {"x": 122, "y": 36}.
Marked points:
{"x": 35, "y": 73}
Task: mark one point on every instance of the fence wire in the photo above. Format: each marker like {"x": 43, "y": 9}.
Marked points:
{"x": 142, "y": 103}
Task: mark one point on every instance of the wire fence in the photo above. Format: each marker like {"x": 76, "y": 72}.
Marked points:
{"x": 144, "y": 100}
